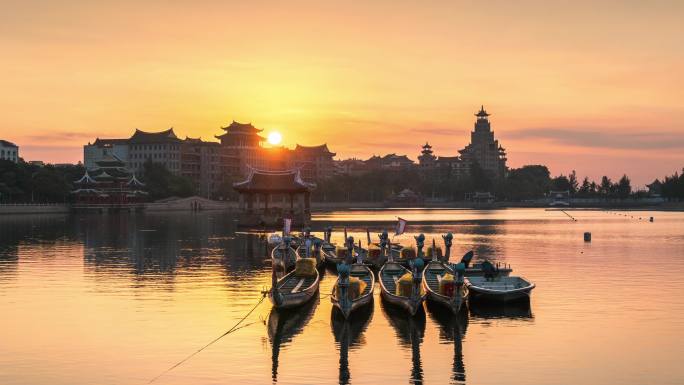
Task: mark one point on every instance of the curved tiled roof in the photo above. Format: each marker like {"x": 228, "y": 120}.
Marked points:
{"x": 273, "y": 181}
{"x": 322, "y": 149}
{"x": 154, "y": 137}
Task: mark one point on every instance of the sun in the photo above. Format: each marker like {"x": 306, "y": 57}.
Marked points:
{"x": 274, "y": 138}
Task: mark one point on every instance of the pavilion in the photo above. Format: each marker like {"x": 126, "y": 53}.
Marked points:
{"x": 267, "y": 197}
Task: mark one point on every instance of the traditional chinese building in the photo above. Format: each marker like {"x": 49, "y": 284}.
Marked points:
{"x": 389, "y": 162}
{"x": 109, "y": 185}
{"x": 484, "y": 149}
{"x": 427, "y": 158}
{"x": 315, "y": 162}
{"x": 267, "y": 197}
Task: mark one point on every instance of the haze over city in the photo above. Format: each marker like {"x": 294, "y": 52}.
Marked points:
{"x": 595, "y": 87}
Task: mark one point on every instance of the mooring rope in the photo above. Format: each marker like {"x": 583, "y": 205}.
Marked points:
{"x": 232, "y": 329}
{"x": 570, "y": 216}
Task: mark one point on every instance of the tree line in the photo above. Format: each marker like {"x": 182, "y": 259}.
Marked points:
{"x": 25, "y": 182}
{"x": 530, "y": 182}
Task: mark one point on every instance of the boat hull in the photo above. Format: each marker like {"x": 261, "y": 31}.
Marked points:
{"x": 455, "y": 303}
{"x": 487, "y": 291}
{"x": 409, "y": 304}
{"x": 283, "y": 300}
{"x": 362, "y": 301}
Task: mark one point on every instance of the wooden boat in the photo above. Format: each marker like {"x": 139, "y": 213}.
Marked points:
{"x": 341, "y": 300}
{"x": 330, "y": 256}
{"x": 432, "y": 275}
{"x": 293, "y": 290}
{"x": 388, "y": 276}
{"x": 283, "y": 258}
{"x": 499, "y": 289}
{"x": 476, "y": 270}
{"x": 314, "y": 252}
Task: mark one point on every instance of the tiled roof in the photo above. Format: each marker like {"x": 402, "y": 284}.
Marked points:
{"x": 154, "y": 137}
{"x": 7, "y": 144}
{"x": 270, "y": 181}
{"x": 109, "y": 142}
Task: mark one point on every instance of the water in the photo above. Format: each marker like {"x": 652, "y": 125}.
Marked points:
{"x": 120, "y": 299}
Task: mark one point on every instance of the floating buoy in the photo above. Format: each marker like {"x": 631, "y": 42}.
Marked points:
{"x": 587, "y": 237}
{"x": 651, "y": 219}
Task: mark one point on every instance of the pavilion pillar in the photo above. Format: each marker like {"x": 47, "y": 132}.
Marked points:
{"x": 242, "y": 202}
{"x": 291, "y": 202}
{"x": 267, "y": 197}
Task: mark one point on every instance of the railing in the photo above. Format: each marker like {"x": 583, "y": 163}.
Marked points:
{"x": 31, "y": 204}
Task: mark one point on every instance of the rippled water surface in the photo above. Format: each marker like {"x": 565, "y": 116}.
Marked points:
{"x": 120, "y": 299}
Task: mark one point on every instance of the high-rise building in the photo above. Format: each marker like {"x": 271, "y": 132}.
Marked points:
{"x": 103, "y": 149}
{"x": 484, "y": 149}
{"x": 201, "y": 162}
{"x": 160, "y": 147}
{"x": 9, "y": 151}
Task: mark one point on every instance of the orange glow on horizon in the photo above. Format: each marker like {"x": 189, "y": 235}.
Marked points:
{"x": 364, "y": 78}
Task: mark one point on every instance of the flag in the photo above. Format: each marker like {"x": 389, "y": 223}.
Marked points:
{"x": 287, "y": 224}
{"x": 401, "y": 226}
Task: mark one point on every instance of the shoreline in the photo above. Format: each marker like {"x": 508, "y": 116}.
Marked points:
{"x": 27, "y": 209}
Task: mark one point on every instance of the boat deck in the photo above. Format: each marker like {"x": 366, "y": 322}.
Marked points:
{"x": 390, "y": 277}
{"x": 432, "y": 278}
{"x": 295, "y": 284}
{"x": 500, "y": 284}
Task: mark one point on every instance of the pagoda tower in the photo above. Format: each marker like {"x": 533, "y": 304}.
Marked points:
{"x": 484, "y": 149}
{"x": 427, "y": 157}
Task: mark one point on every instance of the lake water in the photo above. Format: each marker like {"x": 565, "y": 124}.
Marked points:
{"x": 120, "y": 299}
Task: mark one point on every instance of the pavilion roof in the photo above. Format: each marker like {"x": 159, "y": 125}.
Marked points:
{"x": 8, "y": 144}
{"x": 482, "y": 113}
{"x": 260, "y": 181}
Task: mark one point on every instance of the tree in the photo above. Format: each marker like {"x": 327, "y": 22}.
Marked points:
{"x": 161, "y": 183}
{"x": 525, "y": 183}
{"x": 606, "y": 187}
{"x": 561, "y": 183}
{"x": 624, "y": 187}
{"x": 585, "y": 189}
{"x": 573, "y": 182}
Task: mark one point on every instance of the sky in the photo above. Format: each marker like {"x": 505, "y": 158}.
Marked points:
{"x": 597, "y": 87}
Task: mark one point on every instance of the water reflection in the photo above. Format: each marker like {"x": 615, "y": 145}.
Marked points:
{"x": 521, "y": 310}
{"x": 452, "y": 328}
{"x": 348, "y": 335}
{"x": 284, "y": 326}
{"x": 410, "y": 331}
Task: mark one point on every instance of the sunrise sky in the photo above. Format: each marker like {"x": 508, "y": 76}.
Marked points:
{"x": 592, "y": 86}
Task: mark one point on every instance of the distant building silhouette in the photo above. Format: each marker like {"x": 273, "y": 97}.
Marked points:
{"x": 484, "y": 149}
{"x": 211, "y": 164}
{"x": 9, "y": 151}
